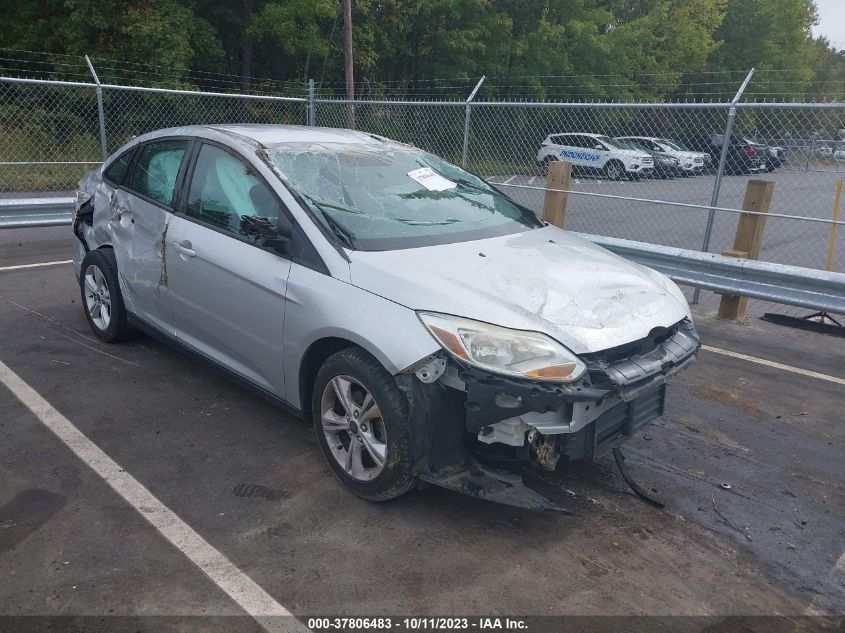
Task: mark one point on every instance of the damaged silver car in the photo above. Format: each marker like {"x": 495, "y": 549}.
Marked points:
{"x": 431, "y": 328}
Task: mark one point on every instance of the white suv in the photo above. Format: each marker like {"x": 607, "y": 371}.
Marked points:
{"x": 595, "y": 153}
{"x": 690, "y": 162}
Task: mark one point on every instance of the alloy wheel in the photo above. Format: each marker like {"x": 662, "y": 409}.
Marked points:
{"x": 353, "y": 426}
{"x": 97, "y": 297}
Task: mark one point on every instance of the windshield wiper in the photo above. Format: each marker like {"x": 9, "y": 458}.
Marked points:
{"x": 338, "y": 228}
{"x": 341, "y": 231}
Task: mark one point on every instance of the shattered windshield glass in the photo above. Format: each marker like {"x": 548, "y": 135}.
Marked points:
{"x": 384, "y": 197}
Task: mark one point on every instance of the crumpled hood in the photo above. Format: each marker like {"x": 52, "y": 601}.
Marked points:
{"x": 543, "y": 280}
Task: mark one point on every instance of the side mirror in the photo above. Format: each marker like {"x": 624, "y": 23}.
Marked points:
{"x": 265, "y": 233}
{"x": 598, "y": 147}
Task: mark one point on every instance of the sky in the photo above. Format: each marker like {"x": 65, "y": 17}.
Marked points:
{"x": 831, "y": 21}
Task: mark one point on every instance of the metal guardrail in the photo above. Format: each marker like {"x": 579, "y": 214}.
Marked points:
{"x": 779, "y": 283}
{"x": 19, "y": 213}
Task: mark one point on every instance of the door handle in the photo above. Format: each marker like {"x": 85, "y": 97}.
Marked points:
{"x": 184, "y": 248}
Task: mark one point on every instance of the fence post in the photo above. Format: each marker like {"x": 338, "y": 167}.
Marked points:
{"x": 717, "y": 185}
{"x": 554, "y": 202}
{"x": 100, "y": 112}
{"x": 748, "y": 239}
{"x": 467, "y": 115}
{"x": 311, "y": 109}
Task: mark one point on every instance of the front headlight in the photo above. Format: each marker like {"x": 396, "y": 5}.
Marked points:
{"x": 501, "y": 350}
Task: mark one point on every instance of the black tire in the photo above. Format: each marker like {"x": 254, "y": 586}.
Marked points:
{"x": 117, "y": 329}
{"x": 396, "y": 477}
{"x": 614, "y": 170}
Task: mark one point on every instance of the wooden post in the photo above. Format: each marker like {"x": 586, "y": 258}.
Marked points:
{"x": 554, "y": 204}
{"x": 749, "y": 239}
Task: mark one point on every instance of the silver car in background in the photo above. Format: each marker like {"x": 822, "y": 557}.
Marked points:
{"x": 691, "y": 163}
{"x": 425, "y": 323}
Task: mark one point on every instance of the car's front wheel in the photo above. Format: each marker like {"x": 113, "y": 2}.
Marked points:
{"x": 101, "y": 297}
{"x": 361, "y": 420}
{"x": 614, "y": 170}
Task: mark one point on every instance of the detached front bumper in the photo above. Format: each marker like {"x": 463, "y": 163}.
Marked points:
{"x": 472, "y": 431}
{"x": 623, "y": 390}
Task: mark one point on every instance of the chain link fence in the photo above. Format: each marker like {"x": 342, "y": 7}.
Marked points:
{"x": 49, "y": 136}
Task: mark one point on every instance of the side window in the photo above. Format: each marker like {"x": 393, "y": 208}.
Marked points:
{"x": 114, "y": 173}
{"x": 156, "y": 168}
{"x": 572, "y": 141}
{"x": 225, "y": 190}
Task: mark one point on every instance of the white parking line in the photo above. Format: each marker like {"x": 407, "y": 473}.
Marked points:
{"x": 21, "y": 266}
{"x": 771, "y": 363}
{"x": 508, "y": 180}
{"x": 222, "y": 572}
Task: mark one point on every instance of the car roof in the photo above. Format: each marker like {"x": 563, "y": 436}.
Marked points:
{"x": 251, "y": 136}
{"x": 267, "y": 134}
{"x": 274, "y": 134}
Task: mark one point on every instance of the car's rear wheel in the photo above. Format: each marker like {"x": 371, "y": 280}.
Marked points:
{"x": 101, "y": 297}
{"x": 614, "y": 170}
{"x": 548, "y": 160}
{"x": 361, "y": 420}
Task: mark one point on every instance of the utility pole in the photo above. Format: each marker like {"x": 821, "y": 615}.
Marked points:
{"x": 347, "y": 55}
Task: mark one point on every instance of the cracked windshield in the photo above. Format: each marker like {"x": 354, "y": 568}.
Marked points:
{"x": 382, "y": 198}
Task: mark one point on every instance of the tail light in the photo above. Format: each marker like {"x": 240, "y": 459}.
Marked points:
{"x": 750, "y": 151}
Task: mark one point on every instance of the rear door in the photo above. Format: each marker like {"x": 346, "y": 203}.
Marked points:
{"x": 140, "y": 211}
{"x": 227, "y": 293}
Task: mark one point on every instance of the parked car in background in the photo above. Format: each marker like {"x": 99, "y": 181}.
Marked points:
{"x": 423, "y": 322}
{"x": 691, "y": 163}
{"x": 839, "y": 150}
{"x": 822, "y": 150}
{"x": 742, "y": 157}
{"x": 595, "y": 153}
{"x": 665, "y": 166}
{"x": 773, "y": 156}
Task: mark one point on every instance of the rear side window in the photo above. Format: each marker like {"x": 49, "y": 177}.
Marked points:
{"x": 224, "y": 190}
{"x": 156, "y": 169}
{"x": 117, "y": 169}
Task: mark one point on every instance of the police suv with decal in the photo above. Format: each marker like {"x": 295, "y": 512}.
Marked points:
{"x": 595, "y": 153}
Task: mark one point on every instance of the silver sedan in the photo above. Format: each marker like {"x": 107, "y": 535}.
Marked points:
{"x": 431, "y": 328}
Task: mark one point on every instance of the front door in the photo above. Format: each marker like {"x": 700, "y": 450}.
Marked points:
{"x": 227, "y": 294}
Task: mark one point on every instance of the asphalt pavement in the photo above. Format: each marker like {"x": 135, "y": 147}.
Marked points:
{"x": 748, "y": 463}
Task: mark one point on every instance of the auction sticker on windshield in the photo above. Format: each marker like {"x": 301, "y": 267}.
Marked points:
{"x": 431, "y": 180}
